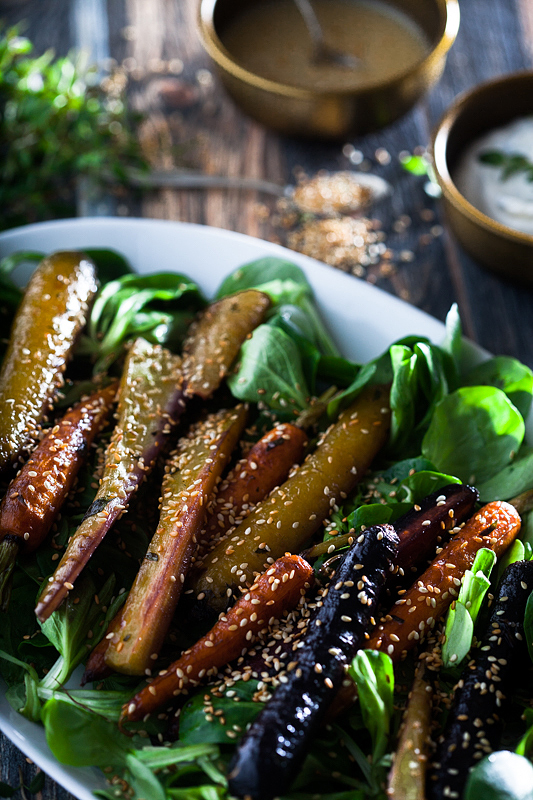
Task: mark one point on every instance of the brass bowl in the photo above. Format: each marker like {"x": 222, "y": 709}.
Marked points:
{"x": 474, "y": 113}
{"x": 330, "y": 114}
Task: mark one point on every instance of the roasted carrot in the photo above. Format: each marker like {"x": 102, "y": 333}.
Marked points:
{"x": 288, "y": 518}
{"x": 53, "y": 311}
{"x": 267, "y": 465}
{"x": 96, "y": 669}
{"x": 277, "y": 590}
{"x": 495, "y": 526}
{"x": 421, "y": 529}
{"x": 407, "y": 778}
{"x": 36, "y": 494}
{"x": 272, "y": 750}
{"x": 215, "y": 339}
{"x": 188, "y": 485}
{"x": 475, "y": 723}
{"x": 150, "y": 401}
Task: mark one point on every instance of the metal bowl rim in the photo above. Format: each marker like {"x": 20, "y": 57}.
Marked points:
{"x": 439, "y": 148}
{"x": 224, "y": 59}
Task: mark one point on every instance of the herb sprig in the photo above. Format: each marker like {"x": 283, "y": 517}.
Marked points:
{"x": 57, "y": 124}
{"x": 509, "y": 163}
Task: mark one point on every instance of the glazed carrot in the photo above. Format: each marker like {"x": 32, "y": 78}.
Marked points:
{"x": 290, "y": 516}
{"x": 189, "y": 482}
{"x": 407, "y": 778}
{"x": 52, "y": 313}
{"x": 36, "y": 494}
{"x": 272, "y": 750}
{"x": 276, "y": 591}
{"x": 475, "y": 724}
{"x": 215, "y": 339}
{"x": 267, "y": 464}
{"x": 495, "y": 526}
{"x": 96, "y": 669}
{"x": 150, "y": 401}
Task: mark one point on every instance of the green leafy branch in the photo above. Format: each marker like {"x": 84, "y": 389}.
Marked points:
{"x": 57, "y": 124}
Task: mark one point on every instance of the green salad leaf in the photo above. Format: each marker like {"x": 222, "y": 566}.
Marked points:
{"x": 507, "y": 374}
{"x": 501, "y": 776}
{"x": 285, "y": 283}
{"x": 373, "y": 674}
{"x": 160, "y": 307}
{"x": 271, "y": 370}
{"x": 81, "y": 738}
{"x": 512, "y": 480}
{"x": 528, "y": 625}
{"x": 71, "y": 628}
{"x": 198, "y": 723}
{"x": 475, "y": 432}
{"x": 463, "y": 613}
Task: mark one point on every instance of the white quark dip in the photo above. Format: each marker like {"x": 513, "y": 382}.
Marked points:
{"x": 508, "y": 201}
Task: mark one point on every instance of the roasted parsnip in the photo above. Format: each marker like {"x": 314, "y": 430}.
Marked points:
{"x": 407, "y": 778}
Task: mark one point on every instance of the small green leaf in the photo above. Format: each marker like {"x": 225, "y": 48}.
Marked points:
{"x": 373, "y": 674}
{"x": 6, "y": 790}
{"x": 493, "y": 157}
{"x": 142, "y": 780}
{"x": 501, "y": 776}
{"x": 80, "y": 738}
{"x": 238, "y": 711}
{"x": 512, "y": 480}
{"x": 416, "y": 165}
{"x": 475, "y": 432}
{"x": 459, "y": 632}
{"x": 270, "y": 371}
{"x": 528, "y": 625}
{"x": 37, "y": 784}
{"x": 463, "y": 613}
{"x": 507, "y": 374}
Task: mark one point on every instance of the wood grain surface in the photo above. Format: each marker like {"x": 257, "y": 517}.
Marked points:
{"x": 192, "y": 123}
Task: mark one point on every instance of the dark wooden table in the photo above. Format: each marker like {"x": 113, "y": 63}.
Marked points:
{"x": 192, "y": 123}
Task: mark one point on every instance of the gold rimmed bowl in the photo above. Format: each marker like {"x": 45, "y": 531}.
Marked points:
{"x": 489, "y": 106}
{"x": 333, "y": 113}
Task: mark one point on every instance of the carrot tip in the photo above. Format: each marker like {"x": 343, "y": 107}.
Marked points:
{"x": 9, "y": 548}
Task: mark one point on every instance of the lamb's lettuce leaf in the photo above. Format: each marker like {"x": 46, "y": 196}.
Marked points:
{"x": 475, "y": 432}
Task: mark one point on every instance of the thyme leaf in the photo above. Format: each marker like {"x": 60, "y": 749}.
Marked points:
{"x": 509, "y": 163}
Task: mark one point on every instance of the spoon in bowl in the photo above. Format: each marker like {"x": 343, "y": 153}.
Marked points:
{"x": 322, "y": 52}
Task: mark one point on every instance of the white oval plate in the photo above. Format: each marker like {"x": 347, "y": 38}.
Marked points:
{"x": 363, "y": 320}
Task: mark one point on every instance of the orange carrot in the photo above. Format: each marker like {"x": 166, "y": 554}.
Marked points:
{"x": 36, "y": 494}
{"x": 266, "y": 466}
{"x": 275, "y": 591}
{"x": 495, "y": 526}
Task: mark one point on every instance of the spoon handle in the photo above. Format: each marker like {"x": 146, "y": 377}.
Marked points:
{"x": 311, "y": 21}
{"x": 184, "y": 179}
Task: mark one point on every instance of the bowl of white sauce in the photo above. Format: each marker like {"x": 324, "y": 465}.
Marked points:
{"x": 483, "y": 158}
